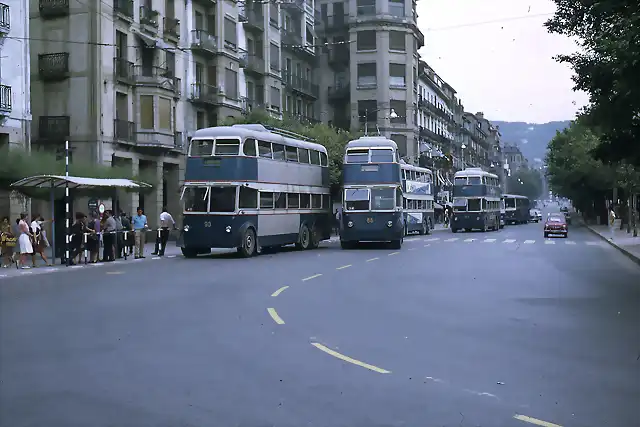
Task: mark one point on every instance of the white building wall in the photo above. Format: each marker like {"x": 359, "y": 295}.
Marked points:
{"x": 435, "y": 124}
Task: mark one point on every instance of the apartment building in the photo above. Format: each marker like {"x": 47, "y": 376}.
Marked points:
{"x": 370, "y": 68}
{"x": 514, "y": 157}
{"x": 15, "y": 105}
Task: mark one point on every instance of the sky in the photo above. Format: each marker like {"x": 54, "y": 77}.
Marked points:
{"x": 504, "y": 69}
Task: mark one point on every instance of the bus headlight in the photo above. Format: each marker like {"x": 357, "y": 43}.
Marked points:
{"x": 227, "y": 229}
{"x": 350, "y": 224}
{"x": 477, "y": 218}
{"x": 389, "y": 224}
{"x": 186, "y": 228}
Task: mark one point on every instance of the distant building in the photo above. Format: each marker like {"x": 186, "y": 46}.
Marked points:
{"x": 514, "y": 157}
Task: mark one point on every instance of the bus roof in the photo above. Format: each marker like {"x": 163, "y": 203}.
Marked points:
{"x": 372, "y": 141}
{"x": 515, "y": 196}
{"x": 260, "y": 132}
{"x": 474, "y": 172}
{"x": 409, "y": 167}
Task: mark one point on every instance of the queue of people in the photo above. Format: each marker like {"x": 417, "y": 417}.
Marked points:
{"x": 117, "y": 234}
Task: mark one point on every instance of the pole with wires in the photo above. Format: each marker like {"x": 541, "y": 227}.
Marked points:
{"x": 66, "y": 202}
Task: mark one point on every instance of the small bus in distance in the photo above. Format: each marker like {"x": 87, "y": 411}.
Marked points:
{"x": 476, "y": 200}
{"x": 516, "y": 209}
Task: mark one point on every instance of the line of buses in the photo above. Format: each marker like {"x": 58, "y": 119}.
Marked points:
{"x": 254, "y": 187}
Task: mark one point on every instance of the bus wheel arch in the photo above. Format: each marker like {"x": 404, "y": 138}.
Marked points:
{"x": 248, "y": 244}
{"x": 304, "y": 237}
{"x": 189, "y": 252}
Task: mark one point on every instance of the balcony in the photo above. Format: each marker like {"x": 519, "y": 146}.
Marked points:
{"x": 334, "y": 23}
{"x": 171, "y": 28}
{"x": 5, "y": 99}
{"x": 124, "y": 130}
{"x": 53, "y": 66}
{"x": 339, "y": 93}
{"x": 204, "y": 94}
{"x": 254, "y": 21}
{"x": 338, "y": 56}
{"x": 255, "y": 65}
{"x": 206, "y": 3}
{"x": 123, "y": 9}
{"x": 248, "y": 105}
{"x": 203, "y": 42}
{"x": 149, "y": 19}
{"x": 54, "y": 128}
{"x": 124, "y": 71}
{"x": 293, "y": 6}
{"x": 290, "y": 38}
{"x": 300, "y": 85}
{"x": 160, "y": 77}
{"x": 50, "y": 9}
{"x": 5, "y": 18}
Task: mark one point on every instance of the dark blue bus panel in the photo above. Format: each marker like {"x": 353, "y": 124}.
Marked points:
{"x": 371, "y": 227}
{"x": 480, "y": 190}
{"x": 363, "y": 174}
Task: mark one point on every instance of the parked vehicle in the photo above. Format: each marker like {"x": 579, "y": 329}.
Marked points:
{"x": 535, "y": 215}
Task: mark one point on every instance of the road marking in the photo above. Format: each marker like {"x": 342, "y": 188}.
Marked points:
{"x": 3, "y": 275}
{"x": 489, "y": 240}
{"x": 569, "y": 242}
{"x": 529, "y": 242}
{"x": 171, "y": 256}
{"x": 343, "y": 267}
{"x": 279, "y": 291}
{"x": 349, "y": 359}
{"x": 115, "y": 272}
{"x": 433, "y": 239}
{"x": 412, "y": 249}
{"x": 274, "y": 316}
{"x": 156, "y": 257}
{"x": 27, "y": 272}
{"x": 549, "y": 242}
{"x": 412, "y": 239}
{"x": 592, "y": 243}
{"x": 393, "y": 253}
{"x": 427, "y": 245}
{"x": 535, "y": 421}
{"x": 372, "y": 259}
{"x": 453, "y": 239}
{"x": 77, "y": 266}
{"x": 470, "y": 240}
{"x": 311, "y": 277}
{"x": 509, "y": 240}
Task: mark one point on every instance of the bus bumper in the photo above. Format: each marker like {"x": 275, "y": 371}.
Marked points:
{"x": 468, "y": 221}
{"x": 372, "y": 227}
{"x": 213, "y": 231}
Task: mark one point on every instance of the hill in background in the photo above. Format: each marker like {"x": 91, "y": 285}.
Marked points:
{"x": 532, "y": 138}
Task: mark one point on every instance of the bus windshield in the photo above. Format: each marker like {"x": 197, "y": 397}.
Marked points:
{"x": 223, "y": 199}
{"x": 510, "y": 203}
{"x": 381, "y": 156}
{"x": 474, "y": 205}
{"x": 382, "y": 199}
{"x": 356, "y": 199}
{"x": 460, "y": 205}
{"x": 475, "y": 180}
{"x": 461, "y": 180}
{"x": 195, "y": 199}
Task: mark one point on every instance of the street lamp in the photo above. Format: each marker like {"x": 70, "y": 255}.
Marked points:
{"x": 464, "y": 162}
{"x": 392, "y": 115}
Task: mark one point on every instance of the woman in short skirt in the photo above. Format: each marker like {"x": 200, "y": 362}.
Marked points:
{"x": 24, "y": 241}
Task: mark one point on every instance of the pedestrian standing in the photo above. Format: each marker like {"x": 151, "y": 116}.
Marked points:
{"x": 612, "y": 220}
{"x": 93, "y": 239}
{"x": 108, "y": 238}
{"x": 26, "y": 248}
{"x": 7, "y": 242}
{"x": 40, "y": 243}
{"x": 140, "y": 226}
{"x": 166, "y": 222}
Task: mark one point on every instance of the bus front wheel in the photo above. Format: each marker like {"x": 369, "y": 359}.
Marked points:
{"x": 189, "y": 252}
{"x": 248, "y": 246}
{"x": 396, "y": 244}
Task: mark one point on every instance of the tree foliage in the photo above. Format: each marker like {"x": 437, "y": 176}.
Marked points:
{"x": 607, "y": 68}
{"x": 334, "y": 140}
{"x": 526, "y": 182}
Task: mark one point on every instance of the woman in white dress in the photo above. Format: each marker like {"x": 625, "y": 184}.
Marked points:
{"x": 26, "y": 248}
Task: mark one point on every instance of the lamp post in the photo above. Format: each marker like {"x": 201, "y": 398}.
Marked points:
{"x": 392, "y": 115}
{"x": 464, "y": 162}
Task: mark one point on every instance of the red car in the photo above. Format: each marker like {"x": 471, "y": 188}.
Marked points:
{"x": 556, "y": 224}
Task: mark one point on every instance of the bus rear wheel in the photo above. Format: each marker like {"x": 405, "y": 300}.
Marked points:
{"x": 304, "y": 238}
{"x": 248, "y": 246}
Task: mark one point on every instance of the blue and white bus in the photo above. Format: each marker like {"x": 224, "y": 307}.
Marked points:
{"x": 250, "y": 187}
{"x": 417, "y": 190}
{"x": 372, "y": 194}
{"x": 476, "y": 200}
{"x": 516, "y": 209}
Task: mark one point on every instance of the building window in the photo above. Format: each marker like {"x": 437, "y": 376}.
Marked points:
{"x": 146, "y": 112}
{"x": 396, "y": 8}
{"x": 231, "y": 83}
{"x": 366, "y": 40}
{"x": 170, "y": 63}
{"x": 273, "y": 15}
{"x": 397, "y": 75}
{"x": 275, "y": 98}
{"x": 367, "y": 110}
{"x": 367, "y": 75}
{"x": 366, "y": 7}
{"x": 397, "y": 41}
{"x": 260, "y": 94}
{"x": 200, "y": 122}
{"x": 400, "y": 107}
{"x": 164, "y": 113}
{"x": 274, "y": 57}
{"x": 230, "y": 39}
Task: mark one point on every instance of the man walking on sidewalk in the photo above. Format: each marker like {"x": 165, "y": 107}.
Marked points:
{"x": 139, "y": 228}
{"x": 166, "y": 221}
{"x": 612, "y": 220}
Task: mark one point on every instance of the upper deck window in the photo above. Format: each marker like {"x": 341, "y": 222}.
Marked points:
{"x": 264, "y": 149}
{"x": 356, "y": 199}
{"x": 292, "y": 154}
{"x": 201, "y": 147}
{"x": 278, "y": 151}
{"x": 196, "y": 199}
{"x": 303, "y": 155}
{"x": 475, "y": 180}
{"x": 315, "y": 157}
{"x": 460, "y": 180}
{"x": 227, "y": 147}
{"x": 323, "y": 159}
{"x": 249, "y": 147}
{"x": 358, "y": 155}
{"x": 510, "y": 203}
{"x": 381, "y": 156}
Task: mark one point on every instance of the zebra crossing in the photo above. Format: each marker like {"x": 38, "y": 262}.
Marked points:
{"x": 546, "y": 241}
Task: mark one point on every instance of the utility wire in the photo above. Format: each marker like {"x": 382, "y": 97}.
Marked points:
{"x": 494, "y": 21}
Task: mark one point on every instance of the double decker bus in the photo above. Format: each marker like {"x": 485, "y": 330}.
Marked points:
{"x": 250, "y": 187}
{"x": 372, "y": 193}
{"x": 476, "y": 200}
{"x": 417, "y": 190}
{"x": 516, "y": 209}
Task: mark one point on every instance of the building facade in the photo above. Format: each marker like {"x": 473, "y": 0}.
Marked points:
{"x": 514, "y": 157}
{"x": 15, "y": 104}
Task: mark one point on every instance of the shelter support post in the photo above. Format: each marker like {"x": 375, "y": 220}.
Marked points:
{"x": 66, "y": 201}
{"x": 53, "y": 224}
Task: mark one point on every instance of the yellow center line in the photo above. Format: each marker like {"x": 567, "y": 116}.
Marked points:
{"x": 535, "y": 421}
{"x": 349, "y": 359}
{"x": 393, "y": 253}
{"x": 372, "y": 259}
{"x": 279, "y": 291}
{"x": 311, "y": 277}
{"x": 274, "y": 316}
{"x": 343, "y": 267}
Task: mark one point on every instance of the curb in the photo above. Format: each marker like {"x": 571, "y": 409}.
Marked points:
{"x": 625, "y": 252}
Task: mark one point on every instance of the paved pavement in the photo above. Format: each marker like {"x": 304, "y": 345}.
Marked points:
{"x": 440, "y": 333}
{"x": 620, "y": 239}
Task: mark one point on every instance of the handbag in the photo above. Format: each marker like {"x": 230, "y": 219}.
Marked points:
{"x": 9, "y": 242}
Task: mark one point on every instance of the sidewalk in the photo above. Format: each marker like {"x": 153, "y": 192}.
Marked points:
{"x": 623, "y": 241}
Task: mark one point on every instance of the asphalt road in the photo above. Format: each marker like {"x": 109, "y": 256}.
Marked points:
{"x": 498, "y": 333}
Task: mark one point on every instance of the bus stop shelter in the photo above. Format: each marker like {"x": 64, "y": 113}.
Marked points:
{"x": 56, "y": 182}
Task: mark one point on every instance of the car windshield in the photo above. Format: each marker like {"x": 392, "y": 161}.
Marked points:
{"x": 555, "y": 219}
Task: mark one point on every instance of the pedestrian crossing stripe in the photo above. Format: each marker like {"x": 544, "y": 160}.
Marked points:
{"x": 569, "y": 242}
{"x": 592, "y": 243}
{"x": 452, "y": 239}
{"x": 549, "y": 242}
{"x": 489, "y": 240}
{"x": 529, "y": 242}
{"x": 433, "y": 239}
{"x": 509, "y": 240}
{"x": 470, "y": 240}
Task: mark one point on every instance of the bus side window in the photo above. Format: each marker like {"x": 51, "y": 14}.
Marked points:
{"x": 404, "y": 174}
{"x": 293, "y": 201}
{"x": 249, "y": 147}
{"x": 305, "y": 201}
{"x": 315, "y": 157}
{"x": 278, "y": 151}
{"x": 303, "y": 155}
{"x": 326, "y": 201}
{"x": 292, "y": 154}
{"x": 323, "y": 159}
{"x": 266, "y": 200}
{"x": 248, "y": 198}
{"x": 264, "y": 149}
{"x": 316, "y": 201}
{"x": 281, "y": 200}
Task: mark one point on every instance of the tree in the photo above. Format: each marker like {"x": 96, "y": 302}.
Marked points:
{"x": 526, "y": 182}
{"x": 334, "y": 140}
{"x": 607, "y": 68}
